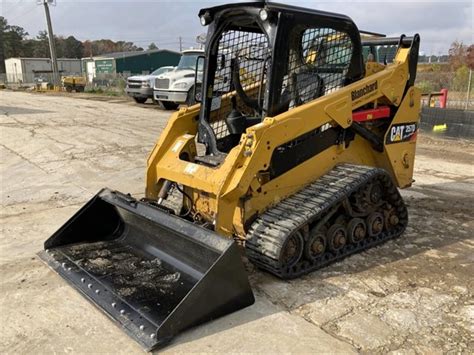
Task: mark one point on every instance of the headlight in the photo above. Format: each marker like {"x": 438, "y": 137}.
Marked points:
{"x": 263, "y": 14}
{"x": 145, "y": 84}
{"x": 182, "y": 85}
{"x": 205, "y": 18}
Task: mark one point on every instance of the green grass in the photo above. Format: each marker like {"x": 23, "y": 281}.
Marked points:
{"x": 101, "y": 91}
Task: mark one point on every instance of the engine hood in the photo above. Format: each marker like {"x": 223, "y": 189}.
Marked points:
{"x": 142, "y": 77}
{"x": 177, "y": 74}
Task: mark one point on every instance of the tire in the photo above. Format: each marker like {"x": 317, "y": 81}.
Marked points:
{"x": 168, "y": 105}
{"x": 69, "y": 88}
{"x": 190, "y": 98}
{"x": 140, "y": 100}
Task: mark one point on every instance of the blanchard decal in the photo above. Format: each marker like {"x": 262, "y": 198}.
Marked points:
{"x": 402, "y": 133}
{"x": 357, "y": 94}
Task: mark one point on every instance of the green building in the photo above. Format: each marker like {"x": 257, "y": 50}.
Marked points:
{"x": 142, "y": 62}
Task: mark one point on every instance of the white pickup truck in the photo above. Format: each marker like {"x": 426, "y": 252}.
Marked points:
{"x": 140, "y": 87}
{"x": 177, "y": 86}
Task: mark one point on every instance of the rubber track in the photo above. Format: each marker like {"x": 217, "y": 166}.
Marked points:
{"x": 269, "y": 231}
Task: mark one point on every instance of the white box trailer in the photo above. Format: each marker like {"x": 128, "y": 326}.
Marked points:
{"x": 27, "y": 70}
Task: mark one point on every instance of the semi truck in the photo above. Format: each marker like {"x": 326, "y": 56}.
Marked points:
{"x": 177, "y": 86}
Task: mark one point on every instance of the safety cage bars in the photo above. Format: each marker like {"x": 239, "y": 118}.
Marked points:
{"x": 246, "y": 52}
{"x": 317, "y": 65}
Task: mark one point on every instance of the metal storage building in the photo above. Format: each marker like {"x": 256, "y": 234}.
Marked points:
{"x": 26, "y": 70}
{"x": 129, "y": 62}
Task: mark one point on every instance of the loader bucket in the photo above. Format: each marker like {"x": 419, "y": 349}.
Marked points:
{"x": 153, "y": 273}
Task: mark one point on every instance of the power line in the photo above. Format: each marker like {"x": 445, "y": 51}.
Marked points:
{"x": 20, "y": 15}
{"x": 11, "y": 7}
{"x": 166, "y": 37}
{"x": 184, "y": 39}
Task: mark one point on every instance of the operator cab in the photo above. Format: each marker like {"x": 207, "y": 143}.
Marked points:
{"x": 264, "y": 59}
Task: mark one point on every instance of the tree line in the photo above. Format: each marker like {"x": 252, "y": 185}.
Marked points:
{"x": 15, "y": 42}
{"x": 454, "y": 75}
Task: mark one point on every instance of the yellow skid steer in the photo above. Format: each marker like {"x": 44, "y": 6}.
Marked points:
{"x": 293, "y": 157}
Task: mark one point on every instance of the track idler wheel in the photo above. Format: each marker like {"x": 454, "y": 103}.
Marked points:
{"x": 336, "y": 237}
{"x": 375, "y": 224}
{"x": 375, "y": 193}
{"x": 356, "y": 230}
{"x": 391, "y": 218}
{"x": 316, "y": 245}
{"x": 292, "y": 250}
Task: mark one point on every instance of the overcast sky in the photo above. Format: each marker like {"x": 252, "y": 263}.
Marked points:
{"x": 163, "y": 21}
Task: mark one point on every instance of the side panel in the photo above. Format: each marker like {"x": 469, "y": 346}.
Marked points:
{"x": 400, "y": 139}
{"x": 182, "y": 122}
{"x": 397, "y": 158}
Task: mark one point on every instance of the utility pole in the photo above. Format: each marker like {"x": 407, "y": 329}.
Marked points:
{"x": 468, "y": 95}
{"x": 52, "y": 46}
{"x": 180, "y": 44}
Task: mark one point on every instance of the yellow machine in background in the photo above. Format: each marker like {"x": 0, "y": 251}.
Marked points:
{"x": 74, "y": 83}
{"x": 45, "y": 86}
{"x": 298, "y": 166}
{"x": 68, "y": 82}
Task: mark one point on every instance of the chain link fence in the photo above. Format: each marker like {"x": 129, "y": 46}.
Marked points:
{"x": 458, "y": 83}
{"x": 111, "y": 83}
{"x": 28, "y": 79}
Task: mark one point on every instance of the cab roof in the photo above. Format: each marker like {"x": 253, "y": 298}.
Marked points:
{"x": 277, "y": 7}
{"x": 195, "y": 50}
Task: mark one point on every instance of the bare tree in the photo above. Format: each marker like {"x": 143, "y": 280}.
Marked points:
{"x": 470, "y": 57}
{"x": 457, "y": 55}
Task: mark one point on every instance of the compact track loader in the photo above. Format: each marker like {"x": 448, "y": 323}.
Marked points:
{"x": 294, "y": 156}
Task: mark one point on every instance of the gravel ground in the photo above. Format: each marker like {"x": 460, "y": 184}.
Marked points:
{"x": 411, "y": 295}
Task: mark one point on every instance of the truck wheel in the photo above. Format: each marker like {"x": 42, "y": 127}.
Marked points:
{"x": 168, "y": 105}
{"x": 140, "y": 100}
{"x": 69, "y": 88}
{"x": 190, "y": 98}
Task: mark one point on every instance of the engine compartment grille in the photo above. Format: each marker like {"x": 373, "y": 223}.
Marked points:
{"x": 134, "y": 84}
{"x": 162, "y": 83}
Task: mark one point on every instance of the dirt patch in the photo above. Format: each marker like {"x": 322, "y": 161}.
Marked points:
{"x": 459, "y": 150}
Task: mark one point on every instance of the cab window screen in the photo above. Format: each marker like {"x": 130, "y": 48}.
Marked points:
{"x": 318, "y": 64}
{"x": 250, "y": 50}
